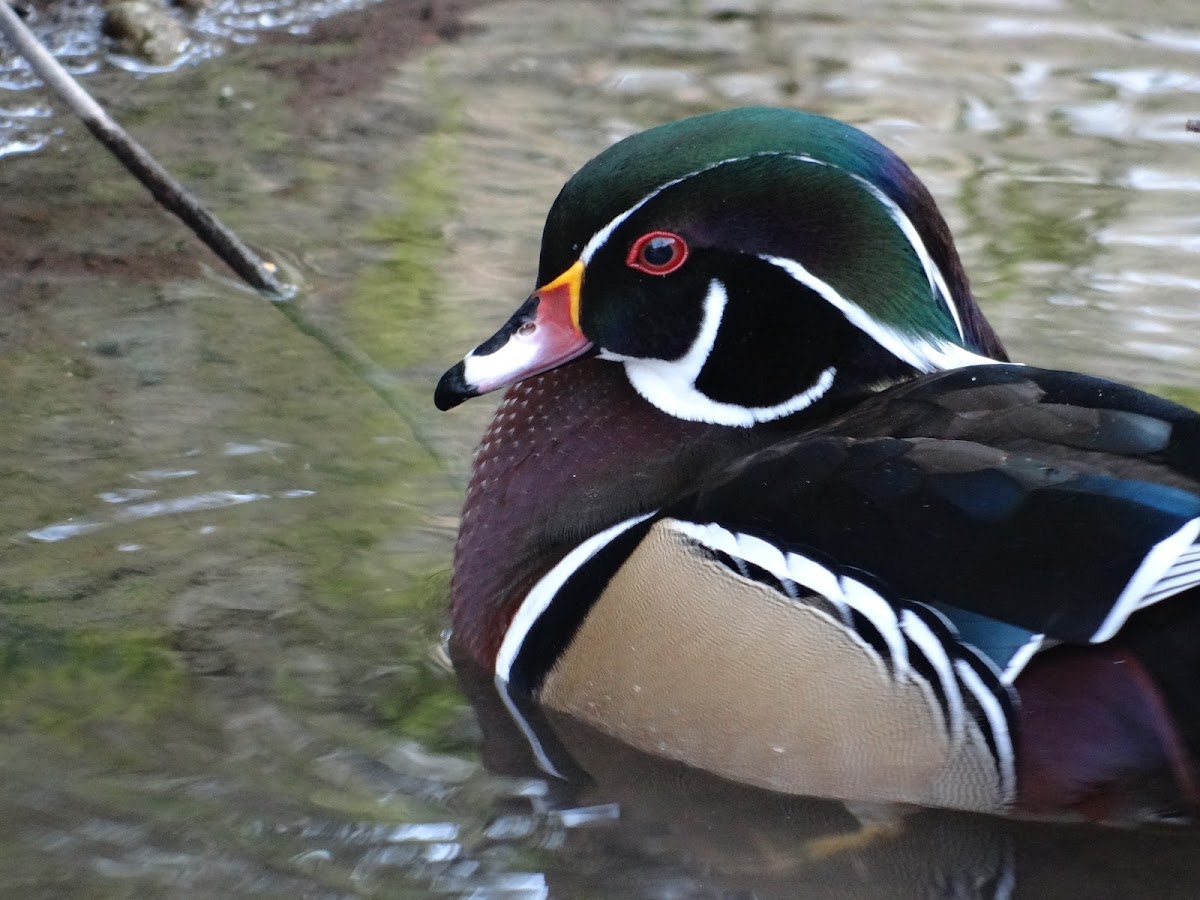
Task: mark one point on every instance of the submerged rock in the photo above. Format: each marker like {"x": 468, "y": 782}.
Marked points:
{"x": 144, "y": 29}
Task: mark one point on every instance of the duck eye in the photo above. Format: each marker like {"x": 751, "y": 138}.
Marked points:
{"x": 657, "y": 253}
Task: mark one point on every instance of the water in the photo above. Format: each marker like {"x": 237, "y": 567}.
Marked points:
{"x": 223, "y": 581}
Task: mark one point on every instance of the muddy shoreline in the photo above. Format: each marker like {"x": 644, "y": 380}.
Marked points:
{"x": 356, "y": 51}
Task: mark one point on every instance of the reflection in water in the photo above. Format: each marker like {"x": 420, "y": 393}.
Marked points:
{"x": 243, "y": 705}
{"x": 193, "y": 503}
{"x": 665, "y": 821}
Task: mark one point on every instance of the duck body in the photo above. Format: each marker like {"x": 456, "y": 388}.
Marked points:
{"x": 765, "y": 497}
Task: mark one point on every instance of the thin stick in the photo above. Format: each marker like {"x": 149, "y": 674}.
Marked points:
{"x": 373, "y": 375}
{"x": 227, "y": 245}
{"x": 169, "y": 192}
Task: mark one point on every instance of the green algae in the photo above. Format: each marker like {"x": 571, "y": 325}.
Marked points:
{"x": 65, "y": 683}
{"x": 396, "y": 300}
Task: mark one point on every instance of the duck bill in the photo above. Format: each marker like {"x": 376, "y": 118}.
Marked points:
{"x": 542, "y": 334}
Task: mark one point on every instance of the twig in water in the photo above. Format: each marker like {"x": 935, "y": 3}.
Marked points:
{"x": 169, "y": 192}
{"x": 227, "y": 245}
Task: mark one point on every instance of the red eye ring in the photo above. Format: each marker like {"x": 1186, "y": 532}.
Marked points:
{"x": 657, "y": 253}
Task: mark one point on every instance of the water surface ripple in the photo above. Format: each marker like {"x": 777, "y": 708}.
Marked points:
{"x": 222, "y": 596}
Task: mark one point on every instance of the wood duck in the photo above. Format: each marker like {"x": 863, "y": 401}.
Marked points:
{"x": 764, "y": 496}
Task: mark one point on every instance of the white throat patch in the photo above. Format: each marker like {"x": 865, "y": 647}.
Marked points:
{"x": 671, "y": 384}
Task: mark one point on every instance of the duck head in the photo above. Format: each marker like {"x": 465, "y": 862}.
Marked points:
{"x": 741, "y": 266}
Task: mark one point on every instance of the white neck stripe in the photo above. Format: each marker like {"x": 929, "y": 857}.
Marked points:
{"x": 937, "y": 282}
{"x": 538, "y": 600}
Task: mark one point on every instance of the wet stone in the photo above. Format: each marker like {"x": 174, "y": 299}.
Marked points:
{"x": 109, "y": 348}
{"x": 410, "y": 758}
{"x": 264, "y": 730}
{"x": 315, "y": 672}
{"x": 511, "y": 828}
{"x": 145, "y": 30}
{"x": 350, "y": 769}
{"x": 311, "y": 860}
{"x": 254, "y": 591}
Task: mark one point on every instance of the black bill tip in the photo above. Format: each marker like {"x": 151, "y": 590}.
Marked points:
{"x": 453, "y": 389}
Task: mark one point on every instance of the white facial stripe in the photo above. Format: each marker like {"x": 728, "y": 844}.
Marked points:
{"x": 538, "y": 600}
{"x": 937, "y": 281}
{"x": 679, "y": 375}
{"x": 600, "y": 237}
{"x": 923, "y": 354}
{"x": 671, "y": 384}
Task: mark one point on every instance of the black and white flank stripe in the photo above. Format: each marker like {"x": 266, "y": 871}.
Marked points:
{"x": 956, "y": 658}
{"x": 912, "y": 642}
